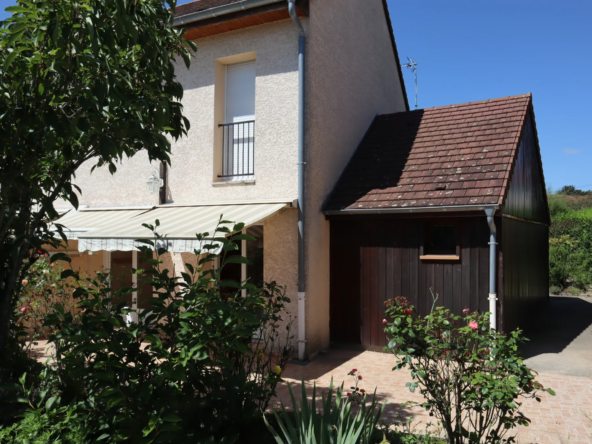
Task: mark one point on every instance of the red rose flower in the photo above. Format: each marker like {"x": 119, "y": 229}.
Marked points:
{"x": 384, "y": 322}
{"x": 360, "y": 377}
{"x": 466, "y": 310}
{"x": 363, "y": 391}
{"x": 407, "y": 311}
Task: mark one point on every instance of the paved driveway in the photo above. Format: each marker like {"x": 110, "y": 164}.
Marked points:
{"x": 560, "y": 350}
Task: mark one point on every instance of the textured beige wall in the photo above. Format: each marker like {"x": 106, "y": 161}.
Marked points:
{"x": 192, "y": 161}
{"x": 127, "y": 187}
{"x": 353, "y": 77}
{"x": 276, "y": 124}
{"x": 281, "y": 260}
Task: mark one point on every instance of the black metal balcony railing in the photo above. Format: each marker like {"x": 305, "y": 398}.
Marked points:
{"x": 238, "y": 149}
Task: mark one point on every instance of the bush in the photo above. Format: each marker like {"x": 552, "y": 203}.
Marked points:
{"x": 471, "y": 376}
{"x": 203, "y": 375}
{"x": 334, "y": 423}
{"x": 44, "y": 288}
{"x": 570, "y": 250}
{"x": 554, "y": 289}
{"x": 46, "y": 420}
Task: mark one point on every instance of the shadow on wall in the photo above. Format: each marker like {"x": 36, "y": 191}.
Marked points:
{"x": 380, "y": 160}
{"x": 559, "y": 325}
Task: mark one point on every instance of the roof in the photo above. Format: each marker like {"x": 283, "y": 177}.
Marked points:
{"x": 201, "y": 5}
{"x": 449, "y": 156}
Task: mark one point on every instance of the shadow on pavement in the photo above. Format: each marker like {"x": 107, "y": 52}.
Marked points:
{"x": 564, "y": 320}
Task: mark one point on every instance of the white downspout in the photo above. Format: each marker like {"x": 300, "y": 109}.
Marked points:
{"x": 490, "y": 211}
{"x": 301, "y": 166}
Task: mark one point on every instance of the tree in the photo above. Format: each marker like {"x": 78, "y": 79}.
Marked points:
{"x": 80, "y": 80}
{"x": 570, "y": 190}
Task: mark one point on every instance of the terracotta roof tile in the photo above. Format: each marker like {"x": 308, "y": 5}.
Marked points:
{"x": 451, "y": 155}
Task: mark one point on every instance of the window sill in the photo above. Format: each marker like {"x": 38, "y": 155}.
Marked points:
{"x": 234, "y": 182}
{"x": 440, "y": 257}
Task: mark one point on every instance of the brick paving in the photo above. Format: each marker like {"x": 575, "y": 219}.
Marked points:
{"x": 564, "y": 418}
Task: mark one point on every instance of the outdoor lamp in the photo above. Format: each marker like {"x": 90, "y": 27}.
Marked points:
{"x": 154, "y": 181}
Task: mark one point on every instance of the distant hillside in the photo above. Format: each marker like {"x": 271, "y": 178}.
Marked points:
{"x": 570, "y": 241}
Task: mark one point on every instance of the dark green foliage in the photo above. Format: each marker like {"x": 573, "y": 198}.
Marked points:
{"x": 570, "y": 248}
{"x": 472, "y": 378}
{"x": 190, "y": 369}
{"x": 570, "y": 190}
{"x": 46, "y": 420}
{"x": 80, "y": 80}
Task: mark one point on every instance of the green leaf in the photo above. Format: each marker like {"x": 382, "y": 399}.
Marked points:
{"x": 16, "y": 9}
{"x": 171, "y": 418}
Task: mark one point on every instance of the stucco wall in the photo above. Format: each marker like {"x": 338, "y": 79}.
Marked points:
{"x": 190, "y": 177}
{"x": 281, "y": 261}
{"x": 352, "y": 77}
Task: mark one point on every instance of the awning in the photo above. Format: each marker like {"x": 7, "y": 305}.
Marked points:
{"x": 77, "y": 223}
{"x": 179, "y": 226}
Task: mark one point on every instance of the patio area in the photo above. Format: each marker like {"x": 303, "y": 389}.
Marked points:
{"x": 564, "y": 418}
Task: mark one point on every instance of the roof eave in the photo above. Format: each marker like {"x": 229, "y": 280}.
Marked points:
{"x": 220, "y": 11}
{"x": 407, "y": 210}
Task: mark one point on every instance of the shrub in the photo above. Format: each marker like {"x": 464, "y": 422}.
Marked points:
{"x": 553, "y": 289}
{"x": 334, "y": 423}
{"x": 46, "y": 420}
{"x": 202, "y": 373}
{"x": 471, "y": 376}
{"x": 43, "y": 290}
{"x": 570, "y": 250}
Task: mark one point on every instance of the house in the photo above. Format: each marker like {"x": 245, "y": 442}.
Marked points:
{"x": 279, "y": 95}
{"x": 301, "y": 129}
{"x": 427, "y": 200}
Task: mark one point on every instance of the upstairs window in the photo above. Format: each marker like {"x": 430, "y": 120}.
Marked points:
{"x": 238, "y": 156}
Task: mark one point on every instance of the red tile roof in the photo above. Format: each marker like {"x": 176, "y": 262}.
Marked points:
{"x": 445, "y": 156}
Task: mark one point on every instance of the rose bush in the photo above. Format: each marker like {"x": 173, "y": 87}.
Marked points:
{"x": 472, "y": 378}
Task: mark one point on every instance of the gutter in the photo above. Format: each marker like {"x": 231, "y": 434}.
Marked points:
{"x": 220, "y": 11}
{"x": 301, "y": 171}
{"x": 407, "y": 210}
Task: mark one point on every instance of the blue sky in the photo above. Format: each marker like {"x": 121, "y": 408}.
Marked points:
{"x": 476, "y": 50}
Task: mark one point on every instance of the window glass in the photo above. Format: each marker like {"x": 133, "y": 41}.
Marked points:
{"x": 441, "y": 240}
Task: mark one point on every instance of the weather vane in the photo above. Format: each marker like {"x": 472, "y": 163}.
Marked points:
{"x": 412, "y": 66}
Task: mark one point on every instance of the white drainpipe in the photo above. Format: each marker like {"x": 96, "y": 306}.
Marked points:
{"x": 490, "y": 211}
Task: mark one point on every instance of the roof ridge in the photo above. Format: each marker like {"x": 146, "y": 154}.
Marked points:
{"x": 479, "y": 102}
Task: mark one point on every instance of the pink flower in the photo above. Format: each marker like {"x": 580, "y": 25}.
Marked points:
{"x": 384, "y": 322}
{"x": 467, "y": 310}
{"x": 24, "y": 310}
{"x": 473, "y": 325}
{"x": 25, "y": 282}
